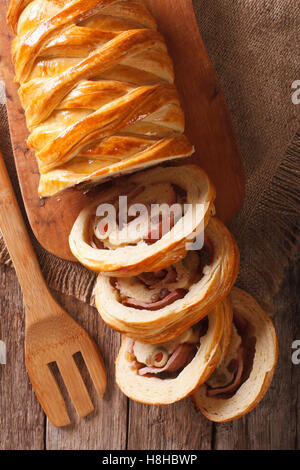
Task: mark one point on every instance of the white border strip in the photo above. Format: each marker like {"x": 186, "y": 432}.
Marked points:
{"x": 2, "y": 352}
{"x": 2, "y": 92}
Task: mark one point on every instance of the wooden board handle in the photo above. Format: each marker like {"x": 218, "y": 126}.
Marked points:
{"x": 18, "y": 242}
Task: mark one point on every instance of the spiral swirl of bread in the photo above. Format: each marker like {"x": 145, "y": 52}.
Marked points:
{"x": 154, "y": 390}
{"x": 202, "y": 295}
{"x": 221, "y": 408}
{"x": 97, "y": 87}
{"x": 130, "y": 260}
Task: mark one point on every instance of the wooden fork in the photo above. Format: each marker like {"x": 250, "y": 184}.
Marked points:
{"x": 51, "y": 335}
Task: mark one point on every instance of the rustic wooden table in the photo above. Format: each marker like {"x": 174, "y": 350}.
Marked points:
{"x": 118, "y": 423}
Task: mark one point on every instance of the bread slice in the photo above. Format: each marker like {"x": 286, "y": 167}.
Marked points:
{"x": 128, "y": 260}
{"x": 152, "y": 390}
{"x": 163, "y": 324}
{"x": 250, "y": 393}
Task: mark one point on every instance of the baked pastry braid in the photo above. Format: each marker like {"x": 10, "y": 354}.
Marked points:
{"x": 246, "y": 370}
{"x": 156, "y": 307}
{"x": 142, "y": 245}
{"x": 165, "y": 373}
{"x": 97, "y": 86}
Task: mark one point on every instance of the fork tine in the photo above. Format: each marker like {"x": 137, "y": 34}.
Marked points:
{"x": 48, "y": 394}
{"x": 94, "y": 364}
{"x": 75, "y": 386}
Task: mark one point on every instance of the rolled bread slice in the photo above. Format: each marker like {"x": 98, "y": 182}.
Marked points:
{"x": 156, "y": 307}
{"x": 256, "y": 353}
{"x": 144, "y": 244}
{"x": 187, "y": 365}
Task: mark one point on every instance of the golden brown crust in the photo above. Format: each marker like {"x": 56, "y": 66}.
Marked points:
{"x": 253, "y": 390}
{"x": 168, "y": 322}
{"x": 155, "y": 391}
{"x": 132, "y": 260}
{"x": 91, "y": 72}
{"x": 15, "y": 9}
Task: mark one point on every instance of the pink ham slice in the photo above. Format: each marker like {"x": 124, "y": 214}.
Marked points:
{"x": 159, "y": 278}
{"x": 158, "y": 229}
{"x": 170, "y": 298}
{"x": 170, "y": 277}
{"x": 212, "y": 392}
{"x": 102, "y": 227}
{"x": 180, "y": 358}
{"x": 240, "y": 322}
{"x": 155, "y": 233}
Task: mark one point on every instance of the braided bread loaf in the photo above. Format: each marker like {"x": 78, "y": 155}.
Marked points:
{"x": 97, "y": 86}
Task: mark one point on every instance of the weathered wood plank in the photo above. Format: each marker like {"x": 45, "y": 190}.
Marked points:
{"x": 295, "y": 282}
{"x": 22, "y": 420}
{"x": 273, "y": 424}
{"x": 173, "y": 427}
{"x": 105, "y": 428}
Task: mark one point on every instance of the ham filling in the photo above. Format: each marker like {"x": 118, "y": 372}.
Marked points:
{"x": 155, "y": 290}
{"x": 147, "y": 225}
{"x": 212, "y": 392}
{"x": 236, "y": 367}
{"x": 168, "y": 358}
{"x": 167, "y": 300}
{"x": 180, "y": 358}
{"x": 159, "y": 278}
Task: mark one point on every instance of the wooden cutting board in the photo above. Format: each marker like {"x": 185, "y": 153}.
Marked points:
{"x": 208, "y": 126}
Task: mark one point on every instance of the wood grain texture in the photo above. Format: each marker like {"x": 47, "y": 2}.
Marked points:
{"x": 208, "y": 126}
{"x": 22, "y": 420}
{"x": 172, "y": 427}
{"x": 105, "y": 428}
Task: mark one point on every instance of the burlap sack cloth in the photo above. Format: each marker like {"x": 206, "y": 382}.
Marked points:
{"x": 254, "y": 47}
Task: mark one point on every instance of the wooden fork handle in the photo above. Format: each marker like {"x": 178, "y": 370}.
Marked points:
{"x": 18, "y": 242}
